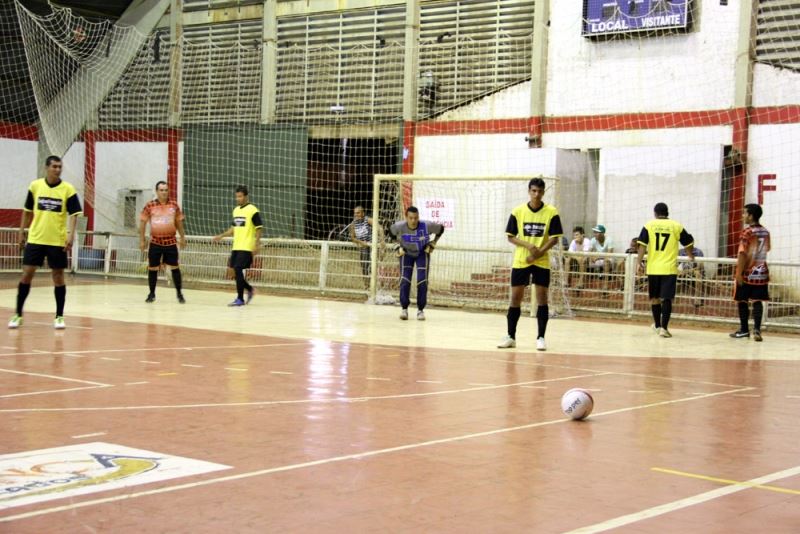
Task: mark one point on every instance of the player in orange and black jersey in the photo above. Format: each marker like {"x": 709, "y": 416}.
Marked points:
{"x": 752, "y": 273}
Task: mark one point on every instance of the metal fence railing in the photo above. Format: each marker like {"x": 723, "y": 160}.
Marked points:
{"x": 593, "y": 283}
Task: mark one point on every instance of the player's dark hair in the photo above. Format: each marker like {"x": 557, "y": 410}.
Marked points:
{"x": 412, "y": 209}
{"x": 661, "y": 209}
{"x": 538, "y": 182}
{"x": 51, "y": 159}
{"x": 160, "y": 183}
{"x": 243, "y": 190}
{"x": 755, "y": 211}
{"x": 578, "y": 229}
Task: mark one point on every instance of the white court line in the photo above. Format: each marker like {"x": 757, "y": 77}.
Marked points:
{"x": 234, "y": 369}
{"x": 191, "y": 365}
{"x": 109, "y": 359}
{"x": 379, "y": 378}
{"x": 49, "y": 391}
{"x": 150, "y": 362}
{"x": 534, "y": 387}
{"x": 623, "y": 373}
{"x": 71, "y": 327}
{"x": 280, "y": 373}
{"x": 749, "y": 396}
{"x": 55, "y": 377}
{"x": 7, "y": 347}
{"x": 157, "y": 349}
{"x": 136, "y": 383}
{"x": 93, "y": 434}
{"x": 74, "y": 355}
{"x": 429, "y": 381}
{"x": 355, "y": 456}
{"x": 334, "y": 400}
{"x": 683, "y": 503}
{"x": 793, "y": 396}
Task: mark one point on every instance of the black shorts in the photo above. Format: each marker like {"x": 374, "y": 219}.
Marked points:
{"x": 35, "y": 255}
{"x": 158, "y": 254}
{"x": 531, "y": 274}
{"x": 746, "y": 292}
{"x": 241, "y": 259}
{"x": 662, "y": 286}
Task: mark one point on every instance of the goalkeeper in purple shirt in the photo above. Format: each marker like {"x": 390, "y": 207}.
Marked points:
{"x": 415, "y": 241}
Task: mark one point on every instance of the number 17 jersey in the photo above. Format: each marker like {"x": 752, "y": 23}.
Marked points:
{"x": 663, "y": 238}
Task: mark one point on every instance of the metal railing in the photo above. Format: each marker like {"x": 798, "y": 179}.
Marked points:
{"x": 458, "y": 277}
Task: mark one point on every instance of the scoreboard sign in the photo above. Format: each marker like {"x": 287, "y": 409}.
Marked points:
{"x": 613, "y": 17}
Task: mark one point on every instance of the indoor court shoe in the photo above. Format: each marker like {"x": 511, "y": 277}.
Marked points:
{"x": 420, "y": 315}
{"x": 250, "y": 295}
{"x": 540, "y": 344}
{"x": 757, "y": 336}
{"x": 404, "y": 315}
{"x": 236, "y": 302}
{"x": 150, "y": 298}
{"x": 58, "y": 323}
{"x": 15, "y": 322}
{"x": 181, "y": 300}
{"x": 664, "y": 333}
{"x": 741, "y": 333}
{"x": 508, "y": 342}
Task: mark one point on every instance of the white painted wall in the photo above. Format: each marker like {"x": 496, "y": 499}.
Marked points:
{"x": 509, "y": 103}
{"x": 634, "y": 179}
{"x": 775, "y": 87}
{"x": 623, "y": 75}
{"x": 775, "y": 149}
{"x": 722, "y": 135}
{"x": 18, "y": 171}
{"x": 120, "y": 166}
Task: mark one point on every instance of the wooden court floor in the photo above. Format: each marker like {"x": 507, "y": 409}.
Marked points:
{"x": 308, "y": 415}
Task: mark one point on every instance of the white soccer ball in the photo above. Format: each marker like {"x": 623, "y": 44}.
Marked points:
{"x": 577, "y": 403}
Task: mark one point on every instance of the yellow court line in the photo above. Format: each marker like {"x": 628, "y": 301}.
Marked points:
{"x": 166, "y": 374}
{"x": 726, "y": 481}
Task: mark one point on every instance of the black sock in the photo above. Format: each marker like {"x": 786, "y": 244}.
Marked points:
{"x": 513, "y": 319}
{"x": 744, "y": 316}
{"x": 177, "y": 279}
{"x": 542, "y": 316}
{"x": 22, "y": 294}
{"x": 152, "y": 278}
{"x": 758, "y": 314}
{"x": 61, "y": 297}
{"x": 240, "y": 284}
{"x": 247, "y": 285}
{"x": 656, "y": 308}
{"x": 666, "y": 312}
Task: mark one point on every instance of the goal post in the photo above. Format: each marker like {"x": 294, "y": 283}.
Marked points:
{"x": 471, "y": 266}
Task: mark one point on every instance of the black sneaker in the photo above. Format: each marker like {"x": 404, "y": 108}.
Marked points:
{"x": 181, "y": 300}
{"x": 740, "y": 333}
{"x": 151, "y": 297}
{"x": 757, "y": 335}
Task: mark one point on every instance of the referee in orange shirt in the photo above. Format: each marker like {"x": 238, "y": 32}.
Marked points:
{"x": 165, "y": 217}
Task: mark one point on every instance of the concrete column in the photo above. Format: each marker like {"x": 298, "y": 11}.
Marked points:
{"x": 269, "y": 62}
{"x": 541, "y": 28}
{"x": 411, "y": 61}
{"x": 175, "y": 61}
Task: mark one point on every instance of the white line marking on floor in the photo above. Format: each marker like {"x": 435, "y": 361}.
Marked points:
{"x": 280, "y": 373}
{"x": 534, "y": 387}
{"x": 191, "y": 365}
{"x": 479, "y": 384}
{"x": 108, "y": 359}
{"x": 151, "y": 362}
{"x": 379, "y": 378}
{"x": 234, "y": 369}
{"x": 93, "y": 434}
{"x": 332, "y": 376}
{"x": 429, "y": 381}
{"x": 749, "y": 396}
{"x": 793, "y": 396}
{"x": 666, "y": 508}
{"x": 7, "y": 347}
{"x": 361, "y": 456}
{"x": 50, "y": 391}
{"x": 334, "y": 400}
{"x": 74, "y": 355}
{"x": 166, "y": 373}
{"x": 136, "y": 383}
{"x": 71, "y": 327}
{"x": 638, "y": 391}
{"x": 157, "y": 349}
{"x": 55, "y": 377}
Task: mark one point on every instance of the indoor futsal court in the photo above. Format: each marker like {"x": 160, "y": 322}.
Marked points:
{"x": 286, "y": 420}
{"x": 399, "y": 266}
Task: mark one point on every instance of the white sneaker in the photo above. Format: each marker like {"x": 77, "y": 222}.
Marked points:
{"x": 58, "y": 323}
{"x": 404, "y": 315}
{"x": 540, "y": 345}
{"x": 420, "y": 315}
{"x": 664, "y": 333}
{"x": 508, "y": 342}
{"x": 15, "y": 322}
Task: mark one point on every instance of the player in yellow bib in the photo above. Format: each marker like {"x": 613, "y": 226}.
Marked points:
{"x": 50, "y": 203}
{"x": 661, "y": 239}
{"x": 246, "y": 231}
{"x": 534, "y": 227}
